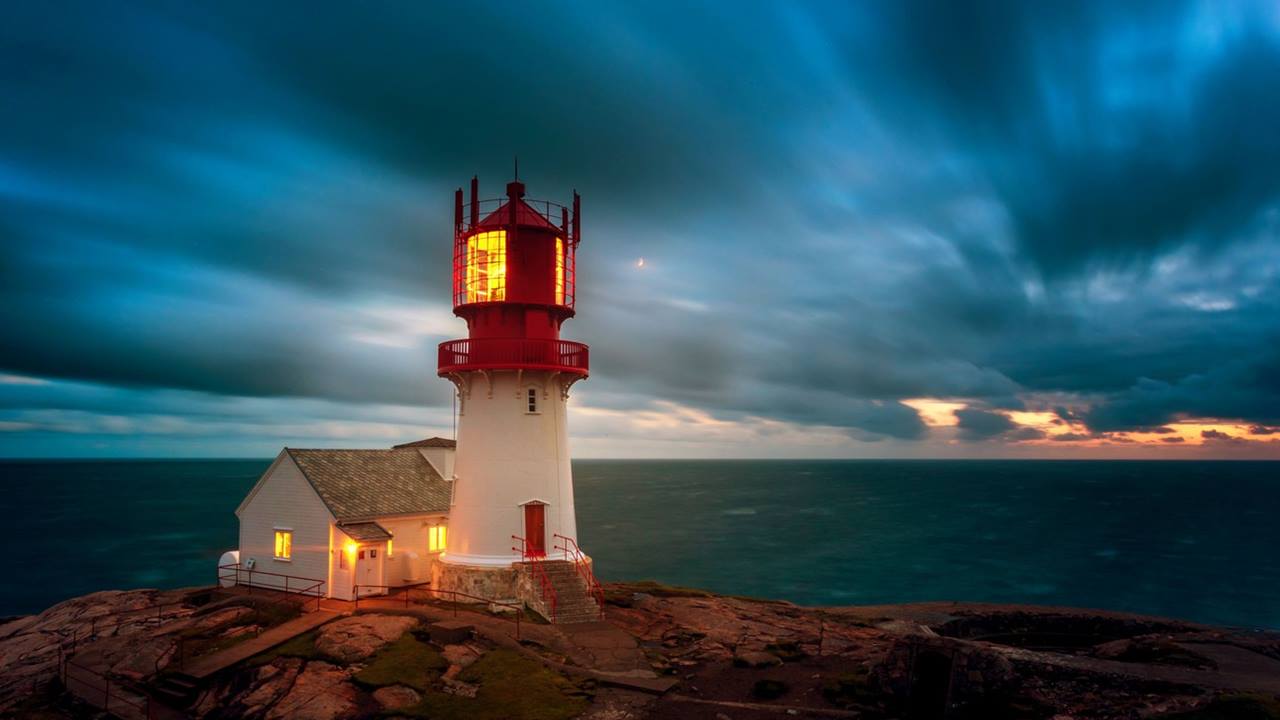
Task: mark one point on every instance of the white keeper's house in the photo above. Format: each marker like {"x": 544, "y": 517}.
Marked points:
{"x": 373, "y": 518}
{"x": 499, "y": 522}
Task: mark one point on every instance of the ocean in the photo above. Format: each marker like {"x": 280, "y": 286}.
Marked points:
{"x": 1194, "y": 540}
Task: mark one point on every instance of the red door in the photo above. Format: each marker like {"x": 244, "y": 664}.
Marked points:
{"x": 535, "y": 530}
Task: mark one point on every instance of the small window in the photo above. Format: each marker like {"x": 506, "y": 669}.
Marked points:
{"x": 373, "y": 553}
{"x": 284, "y": 544}
{"x": 436, "y": 538}
{"x": 532, "y": 396}
{"x": 342, "y": 560}
{"x": 389, "y": 552}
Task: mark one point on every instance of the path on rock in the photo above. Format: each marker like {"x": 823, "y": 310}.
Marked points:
{"x": 208, "y": 665}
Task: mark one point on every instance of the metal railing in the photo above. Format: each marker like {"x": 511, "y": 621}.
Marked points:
{"x": 95, "y": 682}
{"x": 552, "y": 212}
{"x": 572, "y": 552}
{"x": 302, "y": 585}
{"x": 534, "y": 561}
{"x": 512, "y": 353}
{"x": 453, "y": 596}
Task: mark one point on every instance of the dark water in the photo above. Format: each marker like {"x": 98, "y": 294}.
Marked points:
{"x": 1198, "y": 540}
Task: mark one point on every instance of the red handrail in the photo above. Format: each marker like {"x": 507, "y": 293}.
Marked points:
{"x": 583, "y": 567}
{"x": 513, "y": 353}
{"x": 535, "y": 565}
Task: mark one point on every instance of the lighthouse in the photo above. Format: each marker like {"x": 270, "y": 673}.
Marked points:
{"x": 512, "y": 529}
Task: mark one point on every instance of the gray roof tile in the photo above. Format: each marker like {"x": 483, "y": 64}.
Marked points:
{"x": 364, "y": 484}
{"x": 365, "y": 531}
{"x": 437, "y": 442}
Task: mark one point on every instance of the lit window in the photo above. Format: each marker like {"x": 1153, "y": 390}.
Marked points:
{"x": 284, "y": 544}
{"x": 532, "y": 400}
{"x": 559, "y": 271}
{"x": 389, "y": 553}
{"x": 487, "y": 267}
{"x": 436, "y": 538}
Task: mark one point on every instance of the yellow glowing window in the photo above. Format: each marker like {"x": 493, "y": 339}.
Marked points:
{"x": 284, "y": 544}
{"x": 487, "y": 266}
{"x": 389, "y": 553}
{"x": 559, "y": 271}
{"x": 436, "y": 538}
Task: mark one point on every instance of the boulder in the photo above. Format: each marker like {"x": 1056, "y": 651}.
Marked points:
{"x": 450, "y": 632}
{"x": 358, "y": 637}
{"x": 459, "y": 655}
{"x": 320, "y": 692}
{"x": 756, "y": 659}
{"x": 395, "y": 697}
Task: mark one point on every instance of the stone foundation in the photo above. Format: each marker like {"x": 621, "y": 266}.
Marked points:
{"x": 491, "y": 583}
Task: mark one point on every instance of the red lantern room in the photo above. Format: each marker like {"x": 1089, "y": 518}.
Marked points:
{"x": 513, "y": 282}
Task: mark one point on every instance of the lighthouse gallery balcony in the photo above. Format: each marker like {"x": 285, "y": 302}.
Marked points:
{"x": 513, "y": 354}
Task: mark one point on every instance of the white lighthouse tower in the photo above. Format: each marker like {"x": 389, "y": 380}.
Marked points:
{"x": 512, "y": 531}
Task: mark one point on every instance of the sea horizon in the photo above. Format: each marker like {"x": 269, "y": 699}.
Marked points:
{"x": 1176, "y": 538}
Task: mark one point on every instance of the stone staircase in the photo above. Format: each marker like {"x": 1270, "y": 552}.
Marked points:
{"x": 574, "y": 601}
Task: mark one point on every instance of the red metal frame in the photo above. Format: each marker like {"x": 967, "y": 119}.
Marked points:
{"x": 546, "y": 217}
{"x": 579, "y": 558}
{"x": 529, "y": 283}
{"x": 512, "y": 354}
{"x": 539, "y": 573}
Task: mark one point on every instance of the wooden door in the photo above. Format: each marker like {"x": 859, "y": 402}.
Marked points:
{"x": 369, "y": 571}
{"x": 535, "y": 532}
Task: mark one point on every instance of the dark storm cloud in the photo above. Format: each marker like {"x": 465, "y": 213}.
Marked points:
{"x": 1110, "y": 131}
{"x": 990, "y": 202}
{"x": 978, "y": 425}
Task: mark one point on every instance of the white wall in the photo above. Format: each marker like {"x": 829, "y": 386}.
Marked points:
{"x": 284, "y": 499}
{"x": 441, "y": 459}
{"x": 409, "y": 540}
{"x": 506, "y": 457}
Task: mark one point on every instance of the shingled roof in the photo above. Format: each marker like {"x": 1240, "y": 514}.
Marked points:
{"x": 364, "y": 484}
{"x": 432, "y": 442}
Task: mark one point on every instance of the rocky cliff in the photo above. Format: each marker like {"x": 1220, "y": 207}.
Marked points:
{"x": 662, "y": 653}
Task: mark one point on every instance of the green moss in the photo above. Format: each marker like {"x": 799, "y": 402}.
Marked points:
{"x": 407, "y": 661}
{"x": 1235, "y": 706}
{"x": 511, "y": 687}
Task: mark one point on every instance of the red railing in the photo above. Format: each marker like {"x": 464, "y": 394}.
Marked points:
{"x": 453, "y": 596}
{"x": 572, "y": 552}
{"x": 539, "y": 573}
{"x": 512, "y": 354}
{"x": 302, "y": 585}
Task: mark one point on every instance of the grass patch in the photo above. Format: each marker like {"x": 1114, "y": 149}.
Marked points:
{"x": 1235, "y": 706}
{"x": 407, "y": 661}
{"x": 512, "y": 687}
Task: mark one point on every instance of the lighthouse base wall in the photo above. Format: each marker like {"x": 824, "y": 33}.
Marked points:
{"x": 492, "y": 583}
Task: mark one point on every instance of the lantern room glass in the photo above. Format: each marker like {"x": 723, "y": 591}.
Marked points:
{"x": 486, "y": 267}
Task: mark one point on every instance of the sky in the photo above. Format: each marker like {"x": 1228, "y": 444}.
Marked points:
{"x": 868, "y": 229}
